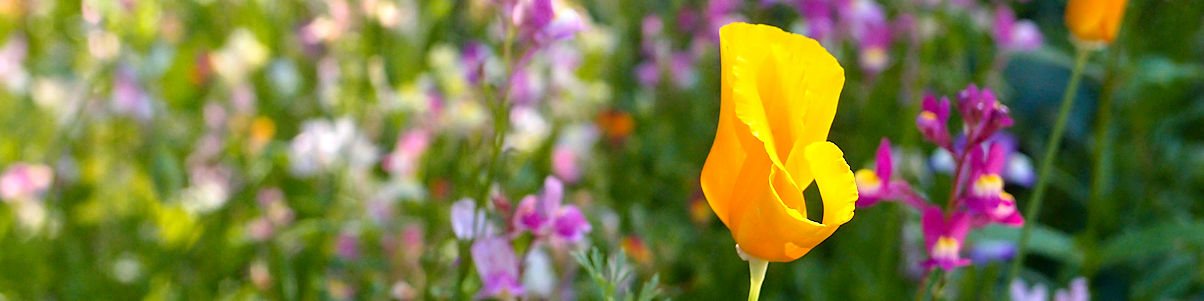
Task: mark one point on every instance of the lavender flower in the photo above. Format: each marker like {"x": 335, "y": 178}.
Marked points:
{"x": 498, "y": 267}
{"x": 992, "y": 251}
{"x": 1076, "y": 292}
{"x": 468, "y": 223}
{"x": 1015, "y": 35}
{"x": 1020, "y": 292}
{"x": 12, "y": 56}
{"x": 129, "y": 98}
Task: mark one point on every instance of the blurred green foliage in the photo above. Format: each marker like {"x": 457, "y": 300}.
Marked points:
{"x": 1124, "y": 209}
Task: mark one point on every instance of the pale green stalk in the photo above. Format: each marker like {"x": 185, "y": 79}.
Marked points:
{"x": 1032, "y": 211}
{"x": 756, "y": 270}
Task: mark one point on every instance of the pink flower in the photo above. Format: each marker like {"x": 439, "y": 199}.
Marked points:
{"x": 986, "y": 198}
{"x": 410, "y": 147}
{"x": 983, "y": 114}
{"x": 564, "y": 164}
{"x": 944, "y": 237}
{"x": 25, "y": 181}
{"x": 933, "y": 119}
{"x": 876, "y": 185}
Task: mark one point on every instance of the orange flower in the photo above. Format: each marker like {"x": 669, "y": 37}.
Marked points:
{"x": 635, "y": 247}
{"x": 779, "y": 96}
{"x": 1095, "y": 21}
{"x": 615, "y": 124}
{"x": 262, "y": 130}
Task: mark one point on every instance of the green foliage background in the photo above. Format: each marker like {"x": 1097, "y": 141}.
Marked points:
{"x": 1133, "y": 222}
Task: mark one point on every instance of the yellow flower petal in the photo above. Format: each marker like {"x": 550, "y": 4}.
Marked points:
{"x": 779, "y": 95}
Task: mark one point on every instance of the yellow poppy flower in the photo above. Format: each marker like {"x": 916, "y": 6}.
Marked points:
{"x": 1095, "y": 21}
{"x": 779, "y": 96}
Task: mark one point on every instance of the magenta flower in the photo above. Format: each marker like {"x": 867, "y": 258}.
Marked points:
{"x": 933, "y": 119}
{"x": 545, "y": 216}
{"x": 498, "y": 267}
{"x": 719, "y": 13}
{"x": 542, "y": 22}
{"x": 817, "y": 15}
{"x": 875, "y": 46}
{"x": 943, "y": 237}
{"x": 473, "y": 56}
{"x": 982, "y": 113}
{"x": 535, "y": 212}
{"x": 986, "y": 197}
{"x": 570, "y": 225}
{"x": 876, "y": 185}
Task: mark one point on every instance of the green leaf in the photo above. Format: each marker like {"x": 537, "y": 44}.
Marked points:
{"x": 1044, "y": 240}
{"x": 1151, "y": 241}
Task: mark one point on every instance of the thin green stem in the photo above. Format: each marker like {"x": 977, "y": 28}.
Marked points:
{"x": 501, "y": 119}
{"x": 922, "y": 292}
{"x": 756, "y": 270}
{"x": 1033, "y": 209}
{"x": 1099, "y": 203}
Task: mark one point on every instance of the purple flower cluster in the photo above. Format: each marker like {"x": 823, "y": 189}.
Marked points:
{"x": 544, "y": 216}
{"x": 864, "y": 22}
{"x": 981, "y": 161}
{"x": 660, "y": 60}
{"x": 542, "y": 22}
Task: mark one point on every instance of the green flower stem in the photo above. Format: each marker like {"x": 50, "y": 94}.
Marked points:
{"x": 1033, "y": 209}
{"x": 1101, "y": 167}
{"x": 756, "y": 270}
{"x": 501, "y": 119}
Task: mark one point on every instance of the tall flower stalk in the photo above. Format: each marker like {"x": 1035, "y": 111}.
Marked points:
{"x": 1033, "y": 209}
{"x": 533, "y": 25}
{"x": 1093, "y": 25}
{"x": 981, "y": 152}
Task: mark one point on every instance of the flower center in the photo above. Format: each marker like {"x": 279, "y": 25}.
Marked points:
{"x": 1007, "y": 206}
{"x": 989, "y": 185}
{"x": 946, "y": 248}
{"x": 868, "y": 181}
{"x": 928, "y": 116}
